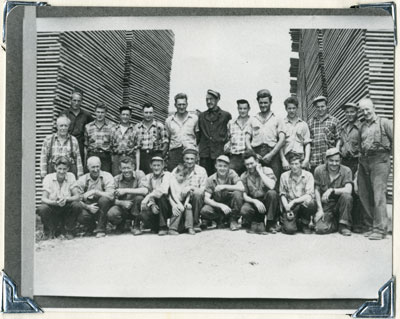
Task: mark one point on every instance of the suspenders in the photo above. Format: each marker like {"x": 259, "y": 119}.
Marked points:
{"x": 50, "y": 153}
{"x": 103, "y": 186}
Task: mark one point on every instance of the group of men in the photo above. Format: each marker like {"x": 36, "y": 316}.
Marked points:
{"x": 205, "y": 170}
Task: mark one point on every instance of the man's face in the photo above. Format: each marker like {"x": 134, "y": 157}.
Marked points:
{"x": 322, "y": 108}
{"x": 251, "y": 164}
{"x": 148, "y": 114}
{"x": 222, "y": 168}
{"x": 211, "y": 101}
{"x": 333, "y": 162}
{"x": 367, "y": 109}
{"x": 76, "y": 101}
{"x": 125, "y": 116}
{"x": 295, "y": 166}
{"x": 157, "y": 167}
{"x": 94, "y": 169}
{"x": 351, "y": 114}
{"x": 189, "y": 160}
{"x": 100, "y": 114}
{"x": 61, "y": 171}
{"x": 126, "y": 170}
{"x": 62, "y": 126}
{"x": 181, "y": 106}
{"x": 265, "y": 104}
{"x": 243, "y": 110}
{"x": 291, "y": 110}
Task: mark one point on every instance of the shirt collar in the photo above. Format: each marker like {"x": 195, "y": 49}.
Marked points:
{"x": 217, "y": 109}
{"x": 154, "y": 123}
{"x": 123, "y": 178}
{"x": 357, "y": 124}
{"x": 303, "y": 174}
{"x": 129, "y": 126}
{"x": 101, "y": 176}
{"x": 262, "y": 119}
{"x": 287, "y": 120}
{"x": 65, "y": 179}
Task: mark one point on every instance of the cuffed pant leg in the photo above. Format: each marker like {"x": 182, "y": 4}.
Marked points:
{"x": 344, "y": 207}
{"x": 104, "y": 204}
{"x": 188, "y": 218}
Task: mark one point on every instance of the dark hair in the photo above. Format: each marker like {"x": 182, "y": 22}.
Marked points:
{"x": 294, "y": 156}
{"x": 62, "y": 160}
{"x": 181, "y": 168}
{"x": 100, "y": 105}
{"x": 124, "y": 108}
{"x": 77, "y": 91}
{"x": 147, "y": 104}
{"x": 181, "y": 96}
{"x": 265, "y": 94}
{"x": 127, "y": 160}
{"x": 291, "y": 100}
{"x": 249, "y": 153}
{"x": 243, "y": 101}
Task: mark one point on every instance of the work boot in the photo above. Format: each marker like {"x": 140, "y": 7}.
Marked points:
{"x": 344, "y": 230}
{"x": 191, "y": 231}
{"x": 253, "y": 228}
{"x": 136, "y": 231}
{"x": 367, "y": 233}
{"x": 234, "y": 225}
{"x": 162, "y": 232}
{"x": 271, "y": 227}
{"x": 261, "y": 229}
{"x": 376, "y": 236}
{"x": 173, "y": 232}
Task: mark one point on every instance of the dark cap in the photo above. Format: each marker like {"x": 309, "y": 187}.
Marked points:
{"x": 320, "y": 98}
{"x": 214, "y": 93}
{"x": 347, "y": 105}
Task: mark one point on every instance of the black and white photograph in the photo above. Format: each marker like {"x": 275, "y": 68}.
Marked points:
{"x": 208, "y": 156}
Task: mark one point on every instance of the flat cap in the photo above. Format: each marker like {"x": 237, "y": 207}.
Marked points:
{"x": 157, "y": 158}
{"x": 190, "y": 150}
{"x": 320, "y": 98}
{"x": 263, "y": 92}
{"x": 214, "y": 93}
{"x": 223, "y": 158}
{"x": 347, "y": 105}
{"x": 332, "y": 151}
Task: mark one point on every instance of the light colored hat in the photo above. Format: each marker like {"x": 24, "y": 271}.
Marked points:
{"x": 157, "y": 158}
{"x": 214, "y": 93}
{"x": 223, "y": 158}
{"x": 320, "y": 98}
{"x": 190, "y": 150}
{"x": 332, "y": 151}
{"x": 347, "y": 105}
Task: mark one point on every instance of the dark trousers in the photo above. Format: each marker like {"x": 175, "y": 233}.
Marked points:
{"x": 174, "y": 158}
{"x": 116, "y": 161}
{"x": 197, "y": 202}
{"x": 145, "y": 159}
{"x": 275, "y": 164}
{"x": 352, "y": 163}
{"x": 88, "y": 219}
{"x": 183, "y": 221}
{"x": 157, "y": 221}
{"x": 117, "y": 215}
{"x": 271, "y": 202}
{"x": 336, "y": 211}
{"x": 302, "y": 216}
{"x": 373, "y": 175}
{"x": 237, "y": 163}
{"x": 209, "y": 164}
{"x": 105, "y": 158}
{"x": 54, "y": 217}
{"x": 231, "y": 199}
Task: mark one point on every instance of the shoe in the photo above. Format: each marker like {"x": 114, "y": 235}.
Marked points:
{"x": 367, "y": 233}
{"x": 234, "y": 226}
{"x": 271, "y": 227}
{"x": 358, "y": 230}
{"x": 172, "y": 232}
{"x": 344, "y": 230}
{"x": 253, "y": 228}
{"x": 136, "y": 231}
{"x": 203, "y": 226}
{"x": 306, "y": 229}
{"x": 191, "y": 231}
{"x": 261, "y": 229}
{"x": 162, "y": 232}
{"x": 69, "y": 235}
{"x": 100, "y": 234}
{"x": 376, "y": 236}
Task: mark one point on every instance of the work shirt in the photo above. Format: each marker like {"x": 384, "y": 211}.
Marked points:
{"x": 297, "y": 136}
{"x": 159, "y": 184}
{"x": 350, "y": 140}
{"x": 324, "y": 134}
{"x": 121, "y": 182}
{"x": 377, "y": 135}
{"x": 253, "y": 184}
{"x": 123, "y": 142}
{"x": 57, "y": 191}
{"x": 151, "y": 138}
{"x": 78, "y": 123}
{"x": 98, "y": 136}
{"x": 265, "y": 130}
{"x": 181, "y": 134}
{"x": 322, "y": 179}
{"x": 237, "y": 136}
{"x": 52, "y": 148}
{"x": 294, "y": 187}
{"x": 104, "y": 183}
{"x": 213, "y": 132}
{"x": 231, "y": 179}
{"x": 196, "y": 178}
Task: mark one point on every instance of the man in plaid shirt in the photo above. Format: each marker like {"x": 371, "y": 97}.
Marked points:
{"x": 98, "y": 137}
{"x": 237, "y": 137}
{"x": 152, "y": 138}
{"x": 325, "y": 132}
{"x": 60, "y": 144}
{"x": 123, "y": 140}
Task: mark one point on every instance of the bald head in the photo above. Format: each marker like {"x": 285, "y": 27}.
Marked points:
{"x": 93, "y": 160}
{"x": 366, "y": 102}
{"x": 367, "y": 108}
{"x": 94, "y": 165}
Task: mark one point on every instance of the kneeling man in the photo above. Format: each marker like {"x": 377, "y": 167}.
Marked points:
{"x": 296, "y": 189}
{"x": 223, "y": 195}
{"x": 333, "y": 187}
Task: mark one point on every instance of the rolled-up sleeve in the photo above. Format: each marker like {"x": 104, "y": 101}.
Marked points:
{"x": 306, "y": 134}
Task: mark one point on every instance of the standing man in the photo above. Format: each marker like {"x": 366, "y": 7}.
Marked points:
{"x": 325, "y": 132}
{"x": 128, "y": 197}
{"x": 123, "y": 140}
{"x": 181, "y": 130}
{"x": 297, "y": 136}
{"x": 260, "y": 197}
{"x": 79, "y": 118}
{"x": 374, "y": 169}
{"x": 98, "y": 137}
{"x": 333, "y": 187}
{"x": 97, "y": 196}
{"x": 266, "y": 134}
{"x": 152, "y": 138}
{"x": 213, "y": 131}
{"x": 237, "y": 137}
{"x": 60, "y": 144}
{"x": 223, "y": 195}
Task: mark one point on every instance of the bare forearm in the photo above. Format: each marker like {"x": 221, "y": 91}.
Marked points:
{"x": 211, "y": 202}
{"x": 270, "y": 183}
{"x": 344, "y": 190}
{"x": 318, "y": 198}
{"x": 247, "y": 198}
{"x": 307, "y": 152}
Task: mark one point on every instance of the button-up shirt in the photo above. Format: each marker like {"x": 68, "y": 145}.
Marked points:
{"x": 153, "y": 137}
{"x": 237, "y": 136}
{"x": 213, "y": 132}
{"x": 98, "y": 136}
{"x": 350, "y": 140}
{"x": 231, "y": 179}
{"x": 265, "y": 130}
{"x": 324, "y": 134}
{"x": 57, "y": 191}
{"x": 294, "y": 187}
{"x": 48, "y": 156}
{"x": 104, "y": 183}
{"x": 377, "y": 135}
{"x": 160, "y": 184}
{"x": 123, "y": 142}
{"x": 196, "y": 178}
{"x": 323, "y": 181}
{"x": 78, "y": 123}
{"x": 297, "y": 136}
{"x": 121, "y": 182}
{"x": 181, "y": 133}
{"x": 253, "y": 184}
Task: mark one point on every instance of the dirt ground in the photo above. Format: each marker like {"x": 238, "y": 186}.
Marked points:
{"x": 214, "y": 263}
